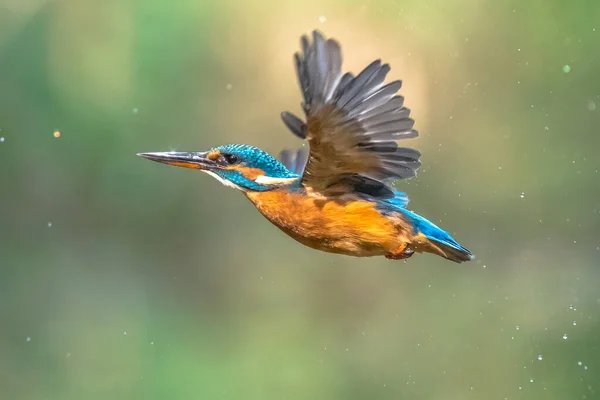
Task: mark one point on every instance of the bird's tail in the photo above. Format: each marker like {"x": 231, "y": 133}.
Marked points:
{"x": 440, "y": 241}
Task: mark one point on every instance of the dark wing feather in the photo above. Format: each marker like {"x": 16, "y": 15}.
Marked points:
{"x": 294, "y": 124}
{"x": 352, "y": 123}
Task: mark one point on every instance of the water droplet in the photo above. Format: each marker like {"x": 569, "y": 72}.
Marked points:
{"x": 322, "y": 19}
{"x": 574, "y": 323}
{"x": 579, "y": 363}
{"x": 531, "y": 380}
{"x": 565, "y": 337}
{"x": 1, "y": 140}
{"x": 566, "y": 68}
{"x": 540, "y": 357}
{"x": 585, "y": 367}
{"x": 517, "y": 327}
{"x": 28, "y": 339}
{"x": 49, "y": 224}
{"x": 522, "y": 195}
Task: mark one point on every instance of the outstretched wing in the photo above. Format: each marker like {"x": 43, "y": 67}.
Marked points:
{"x": 352, "y": 123}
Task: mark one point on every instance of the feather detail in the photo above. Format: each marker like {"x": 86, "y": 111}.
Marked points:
{"x": 352, "y": 122}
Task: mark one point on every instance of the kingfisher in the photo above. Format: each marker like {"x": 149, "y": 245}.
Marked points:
{"x": 336, "y": 196}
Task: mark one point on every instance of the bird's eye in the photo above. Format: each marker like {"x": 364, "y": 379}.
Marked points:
{"x": 231, "y": 159}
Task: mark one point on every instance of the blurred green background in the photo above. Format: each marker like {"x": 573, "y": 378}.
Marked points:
{"x": 125, "y": 279}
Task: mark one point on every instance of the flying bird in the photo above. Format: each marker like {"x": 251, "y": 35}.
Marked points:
{"x": 336, "y": 196}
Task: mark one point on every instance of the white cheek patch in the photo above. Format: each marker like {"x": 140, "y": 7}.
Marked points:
{"x": 268, "y": 180}
{"x": 223, "y": 181}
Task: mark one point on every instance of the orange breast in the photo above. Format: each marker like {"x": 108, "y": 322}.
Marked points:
{"x": 352, "y": 227}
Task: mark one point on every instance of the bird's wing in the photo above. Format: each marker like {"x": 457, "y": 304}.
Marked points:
{"x": 352, "y": 123}
{"x": 295, "y": 161}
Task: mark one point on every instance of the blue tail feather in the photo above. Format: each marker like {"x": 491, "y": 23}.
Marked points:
{"x": 452, "y": 249}
{"x": 444, "y": 244}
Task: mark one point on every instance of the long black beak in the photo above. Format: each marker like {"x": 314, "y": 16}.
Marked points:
{"x": 182, "y": 159}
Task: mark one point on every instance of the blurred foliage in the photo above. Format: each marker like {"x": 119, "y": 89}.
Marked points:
{"x": 123, "y": 279}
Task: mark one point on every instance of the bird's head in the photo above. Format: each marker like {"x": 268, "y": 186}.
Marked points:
{"x": 243, "y": 167}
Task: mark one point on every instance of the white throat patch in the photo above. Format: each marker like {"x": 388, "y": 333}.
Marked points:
{"x": 223, "y": 181}
{"x": 261, "y": 180}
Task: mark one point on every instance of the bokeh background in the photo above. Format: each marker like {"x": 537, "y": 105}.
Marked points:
{"x": 125, "y": 279}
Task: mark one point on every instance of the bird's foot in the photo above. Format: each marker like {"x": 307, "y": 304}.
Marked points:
{"x": 407, "y": 252}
